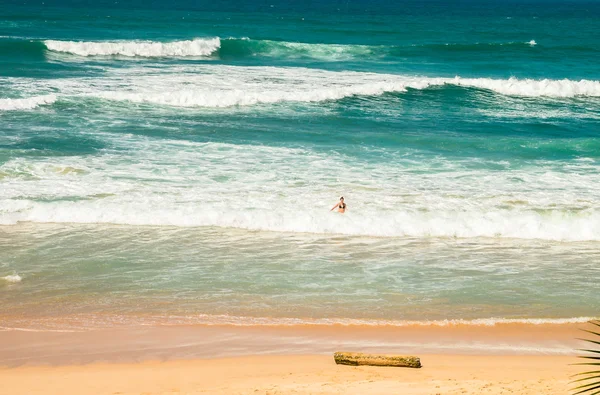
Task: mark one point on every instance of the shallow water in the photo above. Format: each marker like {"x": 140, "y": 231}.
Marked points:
{"x": 104, "y": 275}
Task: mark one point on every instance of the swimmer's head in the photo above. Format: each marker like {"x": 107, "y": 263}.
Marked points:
{"x": 341, "y": 198}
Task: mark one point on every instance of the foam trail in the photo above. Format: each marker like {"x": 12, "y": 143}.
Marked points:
{"x": 219, "y": 98}
{"x": 26, "y": 103}
{"x": 15, "y": 278}
{"x": 238, "y": 97}
{"x": 208, "y": 319}
{"x": 532, "y": 43}
{"x": 227, "y": 86}
{"x": 212, "y": 86}
{"x": 86, "y": 321}
{"x": 196, "y": 47}
{"x": 296, "y": 50}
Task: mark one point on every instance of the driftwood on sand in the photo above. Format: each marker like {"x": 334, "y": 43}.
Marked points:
{"x": 357, "y": 358}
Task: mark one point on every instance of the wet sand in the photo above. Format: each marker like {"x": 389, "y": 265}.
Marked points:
{"x": 143, "y": 343}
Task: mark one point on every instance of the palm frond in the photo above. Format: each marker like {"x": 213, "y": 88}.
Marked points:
{"x": 589, "y": 381}
{"x": 595, "y": 322}
{"x": 589, "y": 341}
{"x": 596, "y": 386}
{"x": 586, "y": 350}
{"x": 585, "y": 378}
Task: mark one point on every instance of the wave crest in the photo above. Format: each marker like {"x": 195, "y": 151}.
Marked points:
{"x": 532, "y": 88}
{"x": 247, "y": 47}
{"x": 26, "y": 103}
{"x": 515, "y": 224}
{"x": 196, "y": 47}
{"x": 220, "y": 86}
{"x": 311, "y": 86}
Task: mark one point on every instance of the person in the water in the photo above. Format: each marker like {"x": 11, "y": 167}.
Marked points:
{"x": 341, "y": 206}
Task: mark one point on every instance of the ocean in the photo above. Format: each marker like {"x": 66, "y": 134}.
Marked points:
{"x": 165, "y": 164}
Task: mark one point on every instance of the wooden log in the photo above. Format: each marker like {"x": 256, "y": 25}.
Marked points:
{"x": 357, "y": 358}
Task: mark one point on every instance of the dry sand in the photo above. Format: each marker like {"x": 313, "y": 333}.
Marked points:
{"x": 312, "y": 374}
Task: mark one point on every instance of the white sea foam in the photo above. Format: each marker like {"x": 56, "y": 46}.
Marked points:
{"x": 26, "y": 103}
{"x": 218, "y": 86}
{"x": 240, "y": 97}
{"x": 196, "y": 47}
{"x": 14, "y": 329}
{"x": 226, "y": 86}
{"x": 522, "y": 224}
{"x": 13, "y": 278}
{"x": 207, "y": 47}
{"x": 532, "y": 88}
{"x": 208, "y": 319}
{"x": 215, "y": 98}
{"x": 81, "y": 322}
{"x": 289, "y": 190}
{"x": 533, "y": 112}
{"x": 236, "y": 47}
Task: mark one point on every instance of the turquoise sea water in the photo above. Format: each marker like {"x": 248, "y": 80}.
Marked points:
{"x": 177, "y": 163}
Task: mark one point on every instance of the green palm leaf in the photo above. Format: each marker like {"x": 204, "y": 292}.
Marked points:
{"x": 589, "y": 382}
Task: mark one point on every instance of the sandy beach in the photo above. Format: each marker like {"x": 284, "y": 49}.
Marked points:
{"x": 292, "y": 374}
{"x": 287, "y": 360}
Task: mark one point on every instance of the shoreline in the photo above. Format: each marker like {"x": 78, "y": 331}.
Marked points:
{"x": 299, "y": 374}
{"x": 188, "y": 342}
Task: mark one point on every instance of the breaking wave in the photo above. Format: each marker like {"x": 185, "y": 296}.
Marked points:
{"x": 224, "y": 48}
{"x": 196, "y": 47}
{"x": 26, "y": 103}
{"x": 532, "y": 88}
{"x": 516, "y": 224}
{"x": 231, "y": 48}
{"x": 220, "y": 86}
{"x": 331, "y": 86}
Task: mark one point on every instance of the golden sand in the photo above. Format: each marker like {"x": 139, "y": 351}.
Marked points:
{"x": 441, "y": 374}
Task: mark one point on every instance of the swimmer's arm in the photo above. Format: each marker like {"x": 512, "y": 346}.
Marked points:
{"x": 334, "y": 207}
